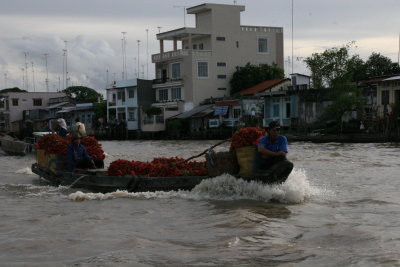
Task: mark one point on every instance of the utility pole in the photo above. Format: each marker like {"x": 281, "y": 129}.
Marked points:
{"x": 184, "y": 13}
{"x": 5, "y": 79}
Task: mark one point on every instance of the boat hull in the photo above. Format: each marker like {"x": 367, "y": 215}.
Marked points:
{"x": 98, "y": 181}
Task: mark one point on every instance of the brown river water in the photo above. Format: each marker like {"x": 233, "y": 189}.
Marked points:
{"x": 339, "y": 207}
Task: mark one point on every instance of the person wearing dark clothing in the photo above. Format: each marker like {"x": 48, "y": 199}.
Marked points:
{"x": 273, "y": 149}
{"x": 77, "y": 156}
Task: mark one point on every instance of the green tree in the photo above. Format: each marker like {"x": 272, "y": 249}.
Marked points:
{"x": 346, "y": 96}
{"x": 83, "y": 94}
{"x": 250, "y": 75}
{"x": 332, "y": 64}
{"x": 378, "y": 65}
{"x": 14, "y": 89}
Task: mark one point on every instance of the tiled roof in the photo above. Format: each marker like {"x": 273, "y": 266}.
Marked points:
{"x": 263, "y": 86}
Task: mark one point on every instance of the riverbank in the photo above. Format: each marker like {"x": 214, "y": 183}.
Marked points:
{"x": 344, "y": 138}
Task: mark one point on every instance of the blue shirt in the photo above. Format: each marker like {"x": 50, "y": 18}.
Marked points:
{"x": 75, "y": 154}
{"x": 280, "y": 144}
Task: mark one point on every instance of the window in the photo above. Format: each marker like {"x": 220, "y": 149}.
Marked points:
{"x": 222, "y": 76}
{"x": 194, "y": 46}
{"x": 15, "y": 101}
{"x": 220, "y": 38}
{"x": 385, "y": 97}
{"x": 37, "y": 101}
{"x": 176, "y": 70}
{"x": 236, "y": 113}
{"x": 237, "y": 44}
{"x": 121, "y": 96}
{"x": 222, "y": 88}
{"x": 262, "y": 45}
{"x": 176, "y": 93}
{"x": 221, "y": 64}
{"x": 201, "y": 46}
{"x": 287, "y": 110}
{"x": 202, "y": 69}
{"x": 131, "y": 93}
{"x": 132, "y": 114}
{"x": 275, "y": 110}
{"x": 163, "y": 95}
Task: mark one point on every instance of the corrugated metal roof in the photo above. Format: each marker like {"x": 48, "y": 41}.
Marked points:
{"x": 192, "y": 112}
{"x": 392, "y": 78}
{"x": 56, "y": 105}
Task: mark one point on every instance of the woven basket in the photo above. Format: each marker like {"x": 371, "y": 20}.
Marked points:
{"x": 246, "y": 157}
{"x": 220, "y": 163}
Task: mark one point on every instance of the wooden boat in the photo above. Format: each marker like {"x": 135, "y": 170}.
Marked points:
{"x": 14, "y": 146}
{"x": 98, "y": 181}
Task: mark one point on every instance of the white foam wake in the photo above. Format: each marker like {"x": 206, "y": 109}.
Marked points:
{"x": 26, "y": 170}
{"x": 296, "y": 189}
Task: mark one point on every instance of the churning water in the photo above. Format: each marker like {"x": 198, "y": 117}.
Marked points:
{"x": 339, "y": 207}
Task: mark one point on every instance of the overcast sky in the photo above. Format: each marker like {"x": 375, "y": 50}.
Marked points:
{"x": 91, "y": 31}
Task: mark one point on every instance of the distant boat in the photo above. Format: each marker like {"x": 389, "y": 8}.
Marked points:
{"x": 14, "y": 146}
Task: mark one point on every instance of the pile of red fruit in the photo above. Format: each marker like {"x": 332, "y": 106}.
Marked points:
{"x": 158, "y": 167}
{"x": 247, "y": 136}
{"x": 55, "y": 144}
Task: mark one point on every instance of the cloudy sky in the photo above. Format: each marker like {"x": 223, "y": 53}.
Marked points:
{"x": 91, "y": 31}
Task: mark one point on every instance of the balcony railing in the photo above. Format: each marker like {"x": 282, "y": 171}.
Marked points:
{"x": 165, "y": 80}
{"x": 179, "y": 54}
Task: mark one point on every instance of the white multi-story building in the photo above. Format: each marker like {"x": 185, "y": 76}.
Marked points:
{"x": 209, "y": 55}
{"x": 15, "y": 103}
{"x": 125, "y": 100}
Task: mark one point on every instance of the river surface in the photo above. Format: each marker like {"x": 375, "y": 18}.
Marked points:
{"x": 339, "y": 207}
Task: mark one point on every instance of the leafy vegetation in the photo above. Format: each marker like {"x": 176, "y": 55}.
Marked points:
{"x": 83, "y": 94}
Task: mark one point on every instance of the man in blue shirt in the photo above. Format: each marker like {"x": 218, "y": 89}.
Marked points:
{"x": 273, "y": 149}
{"x": 77, "y": 156}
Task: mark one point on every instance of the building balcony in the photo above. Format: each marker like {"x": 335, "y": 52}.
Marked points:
{"x": 167, "y": 82}
{"x": 179, "y": 54}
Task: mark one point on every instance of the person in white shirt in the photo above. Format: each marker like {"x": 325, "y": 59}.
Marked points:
{"x": 80, "y": 127}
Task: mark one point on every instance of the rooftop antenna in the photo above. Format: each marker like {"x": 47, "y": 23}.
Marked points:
{"x": 292, "y": 37}
{"x": 107, "y": 80}
{"x": 66, "y": 64}
{"x": 184, "y": 13}
{"x": 234, "y": 2}
{"x": 47, "y": 72}
{"x": 147, "y": 53}
{"x": 26, "y": 71}
{"x": 33, "y": 78}
{"x": 159, "y": 29}
{"x": 23, "y": 77}
{"x": 398, "y": 54}
{"x": 124, "y": 73}
{"x": 138, "y": 58}
{"x": 135, "y": 67}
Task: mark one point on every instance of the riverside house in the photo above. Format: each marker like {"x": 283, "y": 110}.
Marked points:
{"x": 203, "y": 58}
